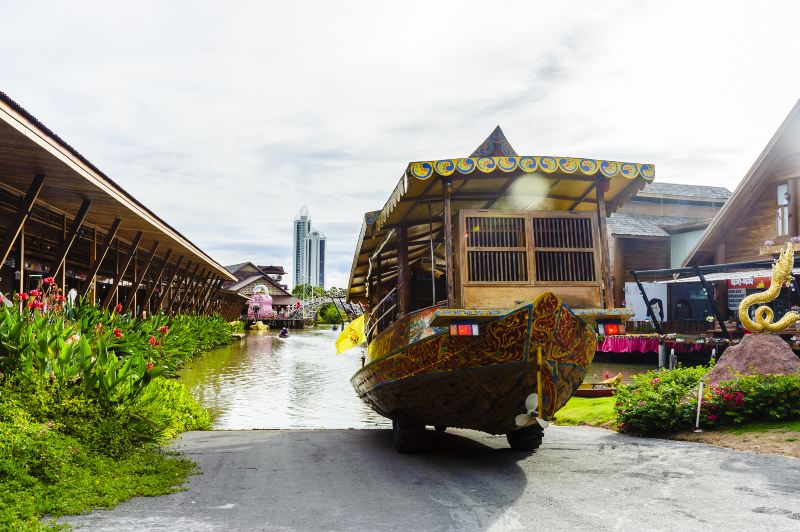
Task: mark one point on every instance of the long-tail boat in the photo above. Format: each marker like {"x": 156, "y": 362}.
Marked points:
{"x": 470, "y": 273}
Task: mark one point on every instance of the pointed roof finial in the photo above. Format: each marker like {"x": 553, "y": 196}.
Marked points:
{"x": 495, "y": 145}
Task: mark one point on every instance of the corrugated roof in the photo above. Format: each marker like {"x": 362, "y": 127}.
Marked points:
{"x": 627, "y": 224}
{"x": 692, "y": 191}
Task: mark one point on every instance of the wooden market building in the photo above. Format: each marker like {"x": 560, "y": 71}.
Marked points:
{"x": 60, "y": 216}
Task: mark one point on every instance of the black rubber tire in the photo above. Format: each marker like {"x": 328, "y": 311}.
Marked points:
{"x": 439, "y": 428}
{"x": 406, "y": 433}
{"x": 526, "y": 439}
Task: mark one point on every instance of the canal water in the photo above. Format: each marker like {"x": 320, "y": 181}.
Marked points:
{"x": 266, "y": 382}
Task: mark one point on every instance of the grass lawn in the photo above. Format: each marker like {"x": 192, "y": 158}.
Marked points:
{"x": 597, "y": 411}
{"x": 766, "y": 426}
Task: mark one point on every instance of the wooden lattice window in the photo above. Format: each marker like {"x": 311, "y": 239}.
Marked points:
{"x": 564, "y": 249}
{"x": 496, "y": 249}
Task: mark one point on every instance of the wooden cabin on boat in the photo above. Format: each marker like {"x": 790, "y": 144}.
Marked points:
{"x": 492, "y": 231}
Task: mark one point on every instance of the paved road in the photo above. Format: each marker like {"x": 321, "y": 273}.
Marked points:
{"x": 581, "y": 479}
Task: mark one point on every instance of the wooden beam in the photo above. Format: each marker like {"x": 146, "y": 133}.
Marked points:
{"x": 189, "y": 286}
{"x": 66, "y": 245}
{"x": 200, "y": 292}
{"x": 215, "y": 287}
{"x": 95, "y": 267}
{"x": 23, "y": 213}
{"x": 140, "y": 275}
{"x": 608, "y": 294}
{"x": 447, "y": 188}
{"x": 168, "y": 284}
{"x": 157, "y": 281}
{"x": 125, "y": 264}
{"x": 403, "y": 273}
{"x": 174, "y": 289}
{"x": 582, "y": 196}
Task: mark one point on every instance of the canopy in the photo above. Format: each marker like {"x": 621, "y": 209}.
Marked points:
{"x": 493, "y": 177}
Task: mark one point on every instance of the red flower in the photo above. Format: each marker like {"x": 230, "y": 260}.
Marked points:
{"x": 655, "y": 381}
{"x": 164, "y": 330}
{"x": 31, "y": 304}
{"x": 23, "y": 296}
{"x": 48, "y": 280}
{"x": 35, "y": 293}
{"x": 150, "y": 365}
{"x": 152, "y": 340}
{"x": 118, "y": 333}
{"x": 712, "y": 417}
{"x": 727, "y": 397}
{"x": 118, "y": 308}
{"x": 2, "y": 298}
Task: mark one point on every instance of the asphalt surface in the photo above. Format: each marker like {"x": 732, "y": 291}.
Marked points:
{"x": 580, "y": 479}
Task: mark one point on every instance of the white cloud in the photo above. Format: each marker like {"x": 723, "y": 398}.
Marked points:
{"x": 226, "y": 118}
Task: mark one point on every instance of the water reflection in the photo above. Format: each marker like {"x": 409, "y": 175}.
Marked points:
{"x": 266, "y": 382}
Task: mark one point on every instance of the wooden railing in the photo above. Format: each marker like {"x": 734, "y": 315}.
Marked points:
{"x": 382, "y": 315}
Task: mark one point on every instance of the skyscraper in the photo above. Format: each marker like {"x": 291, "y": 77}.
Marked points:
{"x": 302, "y": 226}
{"x": 315, "y": 258}
{"x": 309, "y": 251}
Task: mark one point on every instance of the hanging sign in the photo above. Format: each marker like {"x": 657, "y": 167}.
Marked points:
{"x": 735, "y": 296}
{"x": 749, "y": 282}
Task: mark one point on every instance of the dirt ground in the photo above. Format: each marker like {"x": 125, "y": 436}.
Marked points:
{"x": 785, "y": 442}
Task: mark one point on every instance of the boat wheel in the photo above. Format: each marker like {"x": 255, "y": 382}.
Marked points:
{"x": 406, "y": 432}
{"x": 526, "y": 439}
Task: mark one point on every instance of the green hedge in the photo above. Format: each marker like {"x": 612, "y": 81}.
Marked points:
{"x": 85, "y": 405}
{"x": 665, "y": 401}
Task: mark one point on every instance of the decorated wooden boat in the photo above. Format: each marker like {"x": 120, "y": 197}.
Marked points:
{"x": 469, "y": 275}
{"x": 604, "y": 388}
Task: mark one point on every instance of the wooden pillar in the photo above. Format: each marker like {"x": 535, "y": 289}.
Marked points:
{"x": 92, "y": 260}
{"x": 403, "y": 281}
{"x": 175, "y": 290}
{"x": 166, "y": 291}
{"x": 97, "y": 260}
{"x": 601, "y": 187}
{"x": 447, "y": 220}
{"x": 64, "y": 231}
{"x": 14, "y": 229}
{"x": 21, "y": 262}
{"x": 618, "y": 271}
{"x": 63, "y": 250}
{"x": 721, "y": 287}
{"x": 120, "y": 274}
{"x": 187, "y": 288}
{"x": 138, "y": 278}
{"x": 157, "y": 281}
{"x": 116, "y": 271}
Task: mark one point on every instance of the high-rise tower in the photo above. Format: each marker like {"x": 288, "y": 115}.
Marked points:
{"x": 302, "y": 226}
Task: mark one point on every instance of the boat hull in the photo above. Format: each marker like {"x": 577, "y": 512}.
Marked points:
{"x": 479, "y": 382}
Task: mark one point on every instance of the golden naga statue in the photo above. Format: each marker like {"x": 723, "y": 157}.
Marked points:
{"x": 781, "y": 274}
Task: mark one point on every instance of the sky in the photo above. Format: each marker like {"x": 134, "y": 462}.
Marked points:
{"x": 225, "y": 118}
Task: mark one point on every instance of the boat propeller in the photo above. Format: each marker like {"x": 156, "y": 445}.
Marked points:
{"x": 531, "y": 405}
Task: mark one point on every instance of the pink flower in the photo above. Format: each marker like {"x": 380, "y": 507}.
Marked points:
{"x": 655, "y": 381}
{"x": 118, "y": 333}
{"x": 48, "y": 280}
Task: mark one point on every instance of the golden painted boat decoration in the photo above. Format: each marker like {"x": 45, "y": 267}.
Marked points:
{"x": 468, "y": 275}
{"x": 478, "y": 382}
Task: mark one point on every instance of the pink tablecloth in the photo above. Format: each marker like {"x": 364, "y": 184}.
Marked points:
{"x": 628, "y": 344}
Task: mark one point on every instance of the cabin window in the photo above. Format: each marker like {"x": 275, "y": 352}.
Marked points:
{"x": 564, "y": 249}
{"x": 496, "y": 249}
{"x": 783, "y": 210}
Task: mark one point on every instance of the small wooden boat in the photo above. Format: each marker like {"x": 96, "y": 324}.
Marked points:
{"x": 469, "y": 274}
{"x": 604, "y": 388}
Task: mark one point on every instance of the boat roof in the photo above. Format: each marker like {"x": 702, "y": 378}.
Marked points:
{"x": 492, "y": 177}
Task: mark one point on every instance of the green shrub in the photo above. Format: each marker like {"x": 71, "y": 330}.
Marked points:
{"x": 665, "y": 401}
{"x": 752, "y": 398}
{"x": 658, "y": 401}
{"x": 84, "y": 405}
{"x": 237, "y": 326}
